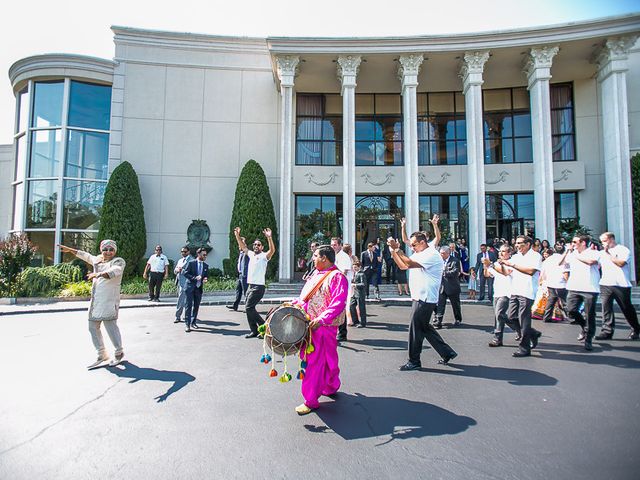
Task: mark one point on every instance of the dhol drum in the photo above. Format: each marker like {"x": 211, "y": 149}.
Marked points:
{"x": 287, "y": 327}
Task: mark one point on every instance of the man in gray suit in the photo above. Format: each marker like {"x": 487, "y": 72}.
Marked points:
{"x": 181, "y": 281}
{"x": 449, "y": 288}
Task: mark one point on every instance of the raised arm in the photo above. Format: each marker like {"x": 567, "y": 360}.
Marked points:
{"x": 436, "y": 230}
{"x": 86, "y": 257}
{"x": 403, "y": 230}
{"x": 272, "y": 246}
{"x": 241, "y": 244}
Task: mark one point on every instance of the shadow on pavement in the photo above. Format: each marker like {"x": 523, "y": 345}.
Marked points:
{"x": 576, "y": 353}
{"x": 514, "y": 376}
{"x": 392, "y": 327}
{"x": 382, "y": 343}
{"x": 129, "y": 370}
{"x": 357, "y": 416}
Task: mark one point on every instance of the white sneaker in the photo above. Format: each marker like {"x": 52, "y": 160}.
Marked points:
{"x": 100, "y": 362}
{"x": 117, "y": 360}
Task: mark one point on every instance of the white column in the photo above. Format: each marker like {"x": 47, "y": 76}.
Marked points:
{"x": 287, "y": 68}
{"x": 612, "y": 80}
{"x": 408, "y": 74}
{"x": 471, "y": 73}
{"x": 347, "y": 71}
{"x": 538, "y": 71}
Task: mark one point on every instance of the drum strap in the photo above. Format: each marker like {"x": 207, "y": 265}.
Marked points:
{"x": 317, "y": 286}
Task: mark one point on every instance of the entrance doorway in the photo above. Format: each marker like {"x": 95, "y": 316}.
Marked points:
{"x": 377, "y": 216}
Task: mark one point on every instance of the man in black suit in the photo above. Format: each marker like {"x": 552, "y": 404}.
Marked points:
{"x": 484, "y": 253}
{"x": 370, "y": 261}
{"x": 197, "y": 274}
{"x": 241, "y": 287}
{"x": 449, "y": 288}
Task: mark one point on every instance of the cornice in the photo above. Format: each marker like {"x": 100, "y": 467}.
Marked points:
{"x": 599, "y": 28}
{"x": 77, "y": 65}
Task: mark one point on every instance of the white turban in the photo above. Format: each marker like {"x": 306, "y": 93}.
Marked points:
{"x": 108, "y": 243}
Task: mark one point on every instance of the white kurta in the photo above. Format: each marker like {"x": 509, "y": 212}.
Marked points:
{"x": 105, "y": 292}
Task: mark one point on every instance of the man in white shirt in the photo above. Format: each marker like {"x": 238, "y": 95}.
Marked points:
{"x": 583, "y": 286}
{"x": 555, "y": 275}
{"x": 158, "y": 269}
{"x": 342, "y": 263}
{"x": 181, "y": 281}
{"x": 256, "y": 276}
{"x": 501, "y": 295}
{"x": 425, "y": 274}
{"x": 615, "y": 285}
{"x": 525, "y": 265}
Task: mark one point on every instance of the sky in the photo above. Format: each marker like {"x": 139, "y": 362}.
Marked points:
{"x": 82, "y": 27}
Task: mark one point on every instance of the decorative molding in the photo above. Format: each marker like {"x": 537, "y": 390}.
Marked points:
{"x": 387, "y": 179}
{"x": 443, "y": 179}
{"x": 287, "y": 67}
{"x": 502, "y": 177}
{"x": 311, "y": 179}
{"x": 409, "y": 64}
{"x": 473, "y": 62}
{"x": 615, "y": 48}
{"x": 564, "y": 175}
{"x": 539, "y": 57}
{"x": 348, "y": 66}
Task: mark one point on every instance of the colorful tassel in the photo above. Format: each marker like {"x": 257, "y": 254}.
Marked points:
{"x": 303, "y": 364}
{"x": 300, "y": 375}
{"x": 309, "y": 349}
{"x": 262, "y": 328}
{"x": 268, "y": 358}
{"x": 286, "y": 377}
{"x": 273, "y": 373}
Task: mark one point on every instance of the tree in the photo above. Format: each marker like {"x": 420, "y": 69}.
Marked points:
{"x": 122, "y": 217}
{"x": 252, "y": 212}
{"x": 16, "y": 252}
{"x": 635, "y": 188}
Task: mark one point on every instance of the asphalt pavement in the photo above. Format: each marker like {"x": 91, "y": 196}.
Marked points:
{"x": 200, "y": 405}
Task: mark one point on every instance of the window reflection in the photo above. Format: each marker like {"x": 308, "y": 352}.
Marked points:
{"x": 85, "y": 241}
{"x": 41, "y": 204}
{"x": 318, "y": 130}
{"x": 82, "y": 204}
{"x": 89, "y": 105}
{"x": 45, "y": 243}
{"x": 442, "y": 129}
{"x": 453, "y": 211}
{"x": 507, "y": 126}
{"x": 87, "y": 155}
{"x": 378, "y": 130}
{"x": 47, "y": 105}
{"x": 46, "y": 148}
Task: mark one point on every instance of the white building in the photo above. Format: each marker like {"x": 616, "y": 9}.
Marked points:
{"x": 501, "y": 133}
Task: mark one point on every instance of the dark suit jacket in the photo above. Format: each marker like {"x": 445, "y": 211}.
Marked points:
{"x": 245, "y": 272}
{"x": 367, "y": 264}
{"x": 192, "y": 272}
{"x": 492, "y": 256}
{"x": 451, "y": 276}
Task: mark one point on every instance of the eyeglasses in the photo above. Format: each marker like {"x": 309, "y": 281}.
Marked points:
{"x": 108, "y": 249}
{"x": 158, "y": 249}
{"x": 185, "y": 251}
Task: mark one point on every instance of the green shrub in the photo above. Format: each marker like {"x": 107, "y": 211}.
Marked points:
{"x": 635, "y": 187}
{"x": 252, "y": 212}
{"x": 122, "y": 217}
{"x": 569, "y": 228}
{"x": 229, "y": 268}
{"x": 16, "y": 252}
{"x": 139, "y": 286}
{"x": 76, "y": 289}
{"x": 47, "y": 281}
{"x": 215, "y": 273}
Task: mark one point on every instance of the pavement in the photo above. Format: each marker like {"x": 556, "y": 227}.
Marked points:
{"x": 200, "y": 405}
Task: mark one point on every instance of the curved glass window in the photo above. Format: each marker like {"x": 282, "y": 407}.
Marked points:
{"x": 47, "y": 104}
{"x": 87, "y": 155}
{"x": 41, "y": 204}
{"x": 46, "y": 149}
{"x": 82, "y": 204}
{"x": 89, "y": 105}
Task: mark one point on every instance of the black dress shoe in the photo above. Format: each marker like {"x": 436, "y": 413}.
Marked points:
{"x": 231, "y": 307}
{"x": 582, "y": 336}
{"x": 535, "y": 338}
{"x": 634, "y": 335}
{"x": 604, "y": 336}
{"x": 410, "y": 366}
{"x": 521, "y": 353}
{"x": 495, "y": 343}
{"x": 445, "y": 361}
{"x": 588, "y": 346}
{"x": 187, "y": 329}
{"x": 251, "y": 335}
{"x": 177, "y": 320}
{"x": 437, "y": 325}
{"x": 193, "y": 325}
{"x": 341, "y": 338}
{"x": 360, "y": 325}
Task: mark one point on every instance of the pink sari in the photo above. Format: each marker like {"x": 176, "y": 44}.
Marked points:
{"x": 322, "y": 375}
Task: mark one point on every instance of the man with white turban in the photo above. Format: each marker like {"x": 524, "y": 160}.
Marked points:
{"x": 105, "y": 298}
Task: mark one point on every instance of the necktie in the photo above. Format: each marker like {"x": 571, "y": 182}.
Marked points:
{"x": 199, "y": 274}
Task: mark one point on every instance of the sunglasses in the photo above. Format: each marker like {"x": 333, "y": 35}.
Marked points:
{"x": 109, "y": 249}
{"x": 257, "y": 244}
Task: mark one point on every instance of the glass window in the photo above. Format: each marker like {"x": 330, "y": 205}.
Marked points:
{"x": 566, "y": 205}
{"x": 46, "y": 148}
{"x": 21, "y": 158}
{"x": 525, "y": 205}
{"x": 87, "y": 155}
{"x": 18, "y": 206}
{"x": 89, "y": 105}
{"x": 453, "y": 211}
{"x": 85, "y": 241}
{"x": 442, "y": 131}
{"x": 317, "y": 218}
{"x": 388, "y": 104}
{"x": 41, "y": 204}
{"x": 507, "y": 126}
{"x": 308, "y": 153}
{"x": 364, "y": 104}
{"x": 309, "y": 128}
{"x": 47, "y": 105}
{"x": 378, "y": 131}
{"x": 82, "y": 204}
{"x": 333, "y": 104}
{"x": 306, "y": 204}
{"x": 496, "y": 100}
{"x": 318, "y": 135}
{"x": 45, "y": 242}
{"x": 562, "y": 122}
{"x": 23, "y": 110}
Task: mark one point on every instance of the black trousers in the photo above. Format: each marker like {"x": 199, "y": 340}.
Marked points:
{"x": 555, "y": 294}
{"x": 455, "y": 305}
{"x": 421, "y": 328}
{"x": 520, "y": 316}
{"x": 254, "y": 295}
{"x": 489, "y": 282}
{"x": 622, "y": 296}
{"x": 501, "y": 309}
{"x": 155, "y": 283}
{"x": 372, "y": 277}
{"x": 391, "y": 270}
{"x": 194, "y": 296}
{"x": 588, "y": 299}
{"x": 241, "y": 289}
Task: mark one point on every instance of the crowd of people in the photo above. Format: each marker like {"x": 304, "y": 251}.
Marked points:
{"x": 524, "y": 280}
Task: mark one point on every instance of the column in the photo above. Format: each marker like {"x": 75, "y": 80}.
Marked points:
{"x": 612, "y": 83}
{"x": 347, "y": 71}
{"x": 538, "y": 71}
{"x": 471, "y": 73}
{"x": 287, "y": 68}
{"x": 408, "y": 74}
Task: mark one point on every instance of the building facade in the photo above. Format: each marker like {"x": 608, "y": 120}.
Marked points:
{"x": 500, "y": 133}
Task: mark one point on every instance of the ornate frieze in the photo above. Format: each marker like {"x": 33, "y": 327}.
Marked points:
{"x": 502, "y": 177}
{"x": 473, "y": 62}
{"x": 443, "y": 179}
{"x": 539, "y": 57}
{"x": 564, "y": 175}
{"x": 409, "y": 65}
{"x": 348, "y": 65}
{"x": 287, "y": 67}
{"x": 615, "y": 48}
{"x": 312, "y": 179}
{"x": 378, "y": 183}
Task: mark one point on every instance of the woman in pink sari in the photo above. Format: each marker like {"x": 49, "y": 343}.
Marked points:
{"x": 324, "y": 298}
